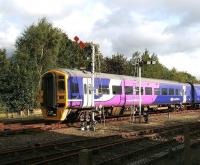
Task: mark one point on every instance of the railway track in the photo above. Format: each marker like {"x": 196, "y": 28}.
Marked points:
{"x": 13, "y": 129}
{"x": 134, "y": 150}
{"x": 105, "y": 150}
{"x": 115, "y": 153}
{"x": 128, "y": 117}
{"x": 28, "y": 155}
{"x": 18, "y": 126}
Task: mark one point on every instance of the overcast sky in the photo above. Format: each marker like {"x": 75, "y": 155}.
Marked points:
{"x": 168, "y": 28}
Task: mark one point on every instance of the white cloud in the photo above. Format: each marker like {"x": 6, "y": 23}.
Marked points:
{"x": 188, "y": 62}
{"x": 166, "y": 27}
{"x": 106, "y": 47}
{"x": 81, "y": 22}
{"x": 44, "y": 7}
{"x": 133, "y": 32}
{"x": 8, "y": 34}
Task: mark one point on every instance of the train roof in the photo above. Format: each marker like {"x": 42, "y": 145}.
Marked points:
{"x": 75, "y": 72}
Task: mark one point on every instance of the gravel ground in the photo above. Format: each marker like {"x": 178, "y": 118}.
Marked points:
{"x": 111, "y": 128}
{"x": 118, "y": 126}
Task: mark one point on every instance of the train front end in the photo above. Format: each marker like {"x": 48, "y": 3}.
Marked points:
{"x": 54, "y": 95}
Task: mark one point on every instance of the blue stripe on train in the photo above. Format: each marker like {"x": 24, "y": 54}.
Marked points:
{"x": 169, "y": 99}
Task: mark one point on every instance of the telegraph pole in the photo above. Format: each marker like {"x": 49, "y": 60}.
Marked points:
{"x": 93, "y": 122}
{"x": 140, "y": 87}
{"x": 82, "y": 45}
{"x": 93, "y": 71}
{"x": 140, "y": 63}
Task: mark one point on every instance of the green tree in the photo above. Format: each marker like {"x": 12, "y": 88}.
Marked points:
{"x": 4, "y": 79}
{"x": 36, "y": 51}
{"x": 99, "y": 60}
{"x": 72, "y": 56}
{"x": 158, "y": 70}
{"x": 116, "y": 64}
{"x": 69, "y": 53}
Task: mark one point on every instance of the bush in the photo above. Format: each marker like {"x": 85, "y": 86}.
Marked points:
{"x": 3, "y": 107}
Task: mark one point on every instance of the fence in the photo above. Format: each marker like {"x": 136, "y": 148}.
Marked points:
{"x": 20, "y": 114}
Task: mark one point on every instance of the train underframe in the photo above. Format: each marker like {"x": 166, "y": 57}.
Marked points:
{"x": 91, "y": 114}
{"x": 81, "y": 114}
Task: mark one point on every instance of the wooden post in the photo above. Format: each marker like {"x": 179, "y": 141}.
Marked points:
{"x": 168, "y": 115}
{"x": 187, "y": 154}
{"x": 85, "y": 157}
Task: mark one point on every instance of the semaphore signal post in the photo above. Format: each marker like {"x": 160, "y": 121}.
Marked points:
{"x": 92, "y": 88}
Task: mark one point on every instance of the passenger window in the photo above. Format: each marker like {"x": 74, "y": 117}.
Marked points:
{"x": 177, "y": 92}
{"x": 137, "y": 90}
{"x": 74, "y": 88}
{"x": 164, "y": 91}
{"x": 117, "y": 90}
{"x": 104, "y": 89}
{"x": 148, "y": 90}
{"x": 171, "y": 91}
{"x": 156, "y": 91}
{"x": 61, "y": 85}
{"x": 128, "y": 90}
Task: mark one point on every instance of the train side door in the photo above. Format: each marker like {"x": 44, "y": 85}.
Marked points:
{"x": 87, "y": 99}
{"x": 129, "y": 90}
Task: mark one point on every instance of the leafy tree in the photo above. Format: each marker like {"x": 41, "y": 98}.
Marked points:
{"x": 116, "y": 64}
{"x": 3, "y": 107}
{"x": 42, "y": 46}
{"x": 158, "y": 70}
{"x": 68, "y": 54}
{"x": 36, "y": 51}
{"x": 4, "y": 80}
{"x": 72, "y": 56}
{"x": 21, "y": 85}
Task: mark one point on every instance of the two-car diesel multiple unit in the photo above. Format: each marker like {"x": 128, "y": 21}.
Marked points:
{"x": 65, "y": 91}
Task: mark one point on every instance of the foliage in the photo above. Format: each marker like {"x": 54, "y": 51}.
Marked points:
{"x": 116, "y": 65}
{"x": 42, "y": 46}
{"x": 3, "y": 107}
{"x": 71, "y": 56}
{"x": 69, "y": 53}
{"x": 157, "y": 71}
{"x": 4, "y": 81}
{"x": 36, "y": 51}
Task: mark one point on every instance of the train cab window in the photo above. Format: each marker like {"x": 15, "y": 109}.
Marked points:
{"x": 128, "y": 90}
{"x": 137, "y": 90}
{"x": 156, "y": 91}
{"x": 61, "y": 77}
{"x": 74, "y": 88}
{"x": 117, "y": 90}
{"x": 61, "y": 85}
{"x": 103, "y": 89}
{"x": 148, "y": 90}
{"x": 171, "y": 91}
{"x": 164, "y": 91}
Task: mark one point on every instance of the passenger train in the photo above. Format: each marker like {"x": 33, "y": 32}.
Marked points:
{"x": 65, "y": 92}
